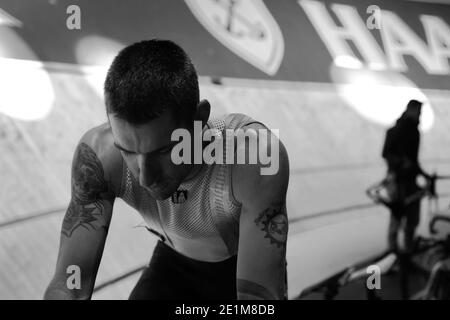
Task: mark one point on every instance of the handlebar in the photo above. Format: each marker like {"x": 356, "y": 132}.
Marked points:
{"x": 385, "y": 264}
{"x": 375, "y": 191}
{"x": 330, "y": 286}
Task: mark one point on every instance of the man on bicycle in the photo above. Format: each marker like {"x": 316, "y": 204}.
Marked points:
{"x": 222, "y": 225}
{"x": 400, "y": 150}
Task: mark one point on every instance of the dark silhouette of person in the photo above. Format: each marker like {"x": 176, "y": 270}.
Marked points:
{"x": 400, "y": 150}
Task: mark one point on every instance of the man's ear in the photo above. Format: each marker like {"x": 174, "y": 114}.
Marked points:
{"x": 203, "y": 112}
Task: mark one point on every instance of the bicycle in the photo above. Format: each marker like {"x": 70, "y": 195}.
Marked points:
{"x": 433, "y": 260}
{"x": 423, "y": 246}
{"x": 438, "y": 273}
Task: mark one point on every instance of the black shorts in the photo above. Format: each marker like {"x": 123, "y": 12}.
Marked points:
{"x": 172, "y": 276}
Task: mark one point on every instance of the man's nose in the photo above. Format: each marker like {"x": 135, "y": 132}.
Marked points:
{"x": 148, "y": 173}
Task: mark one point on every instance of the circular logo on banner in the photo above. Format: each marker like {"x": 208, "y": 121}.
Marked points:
{"x": 247, "y": 28}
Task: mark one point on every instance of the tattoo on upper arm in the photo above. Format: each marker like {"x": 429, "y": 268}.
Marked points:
{"x": 89, "y": 188}
{"x": 273, "y": 221}
{"x": 252, "y": 290}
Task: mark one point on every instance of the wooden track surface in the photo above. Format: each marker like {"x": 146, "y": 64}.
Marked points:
{"x": 334, "y": 156}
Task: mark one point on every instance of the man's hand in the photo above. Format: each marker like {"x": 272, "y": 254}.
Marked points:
{"x": 263, "y": 231}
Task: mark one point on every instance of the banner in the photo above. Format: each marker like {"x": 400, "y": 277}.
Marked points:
{"x": 289, "y": 40}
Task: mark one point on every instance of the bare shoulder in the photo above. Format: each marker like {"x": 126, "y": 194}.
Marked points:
{"x": 269, "y": 175}
{"x": 99, "y": 142}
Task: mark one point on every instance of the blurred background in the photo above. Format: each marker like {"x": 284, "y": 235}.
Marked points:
{"x": 332, "y": 76}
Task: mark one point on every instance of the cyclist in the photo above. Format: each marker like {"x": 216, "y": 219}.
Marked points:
{"x": 223, "y": 227}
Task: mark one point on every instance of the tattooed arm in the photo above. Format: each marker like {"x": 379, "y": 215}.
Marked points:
{"x": 84, "y": 228}
{"x": 261, "y": 270}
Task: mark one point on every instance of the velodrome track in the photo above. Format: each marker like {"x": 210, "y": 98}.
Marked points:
{"x": 334, "y": 156}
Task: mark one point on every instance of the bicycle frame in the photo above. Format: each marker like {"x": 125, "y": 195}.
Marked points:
{"x": 330, "y": 287}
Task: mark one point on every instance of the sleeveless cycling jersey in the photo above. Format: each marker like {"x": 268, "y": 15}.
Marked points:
{"x": 201, "y": 220}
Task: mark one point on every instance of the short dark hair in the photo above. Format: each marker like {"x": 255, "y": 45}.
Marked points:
{"x": 414, "y": 104}
{"x": 149, "y": 77}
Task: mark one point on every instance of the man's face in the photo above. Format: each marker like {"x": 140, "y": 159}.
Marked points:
{"x": 146, "y": 150}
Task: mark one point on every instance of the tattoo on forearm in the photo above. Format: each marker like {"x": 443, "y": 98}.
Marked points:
{"x": 251, "y": 290}
{"x": 88, "y": 187}
{"x": 273, "y": 221}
